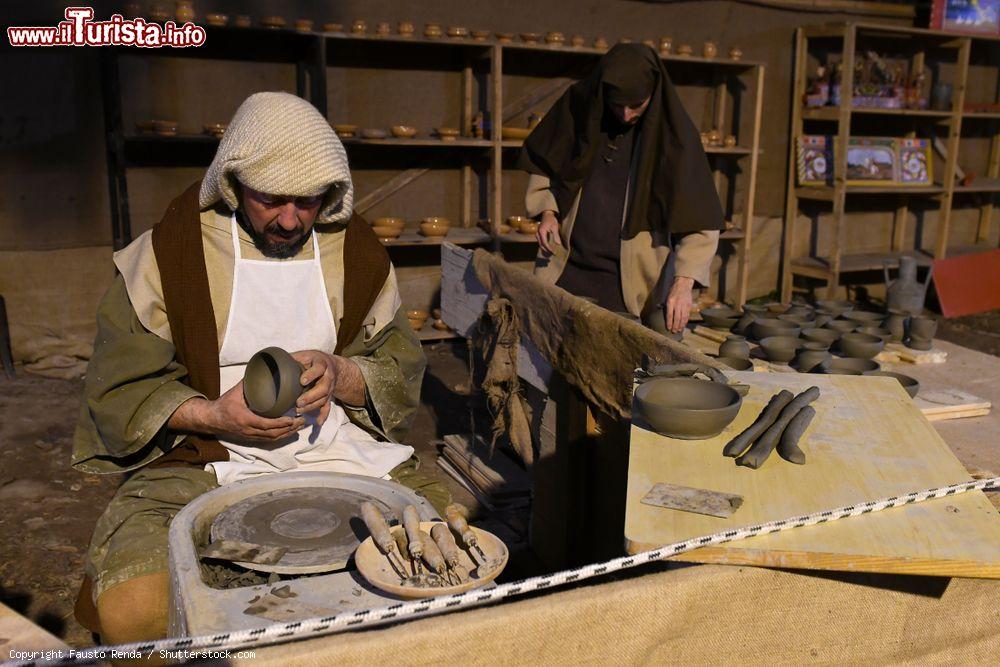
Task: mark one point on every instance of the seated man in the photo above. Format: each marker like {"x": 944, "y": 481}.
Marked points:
{"x": 264, "y": 251}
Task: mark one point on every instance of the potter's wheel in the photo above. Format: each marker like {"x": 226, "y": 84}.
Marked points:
{"x": 320, "y": 526}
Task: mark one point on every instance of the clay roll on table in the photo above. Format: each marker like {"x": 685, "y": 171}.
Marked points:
{"x": 760, "y": 450}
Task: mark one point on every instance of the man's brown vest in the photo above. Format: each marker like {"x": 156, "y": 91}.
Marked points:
{"x": 180, "y": 256}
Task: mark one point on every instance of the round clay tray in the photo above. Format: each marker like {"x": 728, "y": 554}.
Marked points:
{"x": 375, "y": 568}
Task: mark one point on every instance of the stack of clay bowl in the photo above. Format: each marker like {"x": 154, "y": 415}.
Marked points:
{"x": 435, "y": 226}
{"x": 438, "y": 323}
{"x": 417, "y": 318}
{"x": 920, "y": 332}
{"x": 386, "y": 229}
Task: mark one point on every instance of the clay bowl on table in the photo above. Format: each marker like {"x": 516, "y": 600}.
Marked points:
{"x": 860, "y": 345}
{"x": 849, "y": 366}
{"x": 879, "y": 332}
{"x": 864, "y": 318}
{"x": 840, "y": 326}
{"x": 687, "y": 408}
{"x": 826, "y": 336}
{"x": 766, "y": 327}
{"x": 923, "y": 327}
{"x": 403, "y": 131}
{"x": 373, "y": 133}
{"x": 723, "y": 319}
{"x": 775, "y": 308}
{"x": 801, "y": 320}
{"x": 345, "y": 130}
{"x": 271, "y": 382}
{"x": 909, "y": 384}
{"x": 755, "y": 309}
{"x": 435, "y": 226}
{"x": 836, "y": 306}
{"x": 736, "y": 363}
{"x": 780, "y": 348}
{"x": 915, "y": 343}
{"x": 446, "y": 133}
{"x": 811, "y": 355}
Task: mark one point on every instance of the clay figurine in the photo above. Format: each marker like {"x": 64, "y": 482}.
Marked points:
{"x": 906, "y": 293}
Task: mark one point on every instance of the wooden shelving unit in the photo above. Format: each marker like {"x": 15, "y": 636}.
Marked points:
{"x": 738, "y": 85}
{"x": 834, "y": 263}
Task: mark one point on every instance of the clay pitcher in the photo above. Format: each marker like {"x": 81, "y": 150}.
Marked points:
{"x": 906, "y": 293}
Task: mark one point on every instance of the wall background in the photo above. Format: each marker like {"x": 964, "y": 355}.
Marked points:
{"x": 53, "y": 182}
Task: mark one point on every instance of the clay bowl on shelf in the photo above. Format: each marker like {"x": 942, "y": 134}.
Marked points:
{"x": 271, "y": 382}
{"x": 515, "y": 221}
{"x": 836, "y": 306}
{"x": 736, "y": 363}
{"x": 389, "y": 222}
{"x": 333, "y": 27}
{"x": 435, "y": 226}
{"x": 860, "y": 345}
{"x": 273, "y": 22}
{"x": 879, "y": 332}
{"x": 373, "y": 133}
{"x": 909, "y": 384}
{"x": 446, "y": 133}
{"x": 780, "y": 348}
{"x": 165, "y": 128}
{"x": 826, "y": 336}
{"x": 504, "y": 36}
{"x": 144, "y": 126}
{"x": 531, "y": 37}
{"x": 458, "y": 31}
{"x": 723, "y": 319}
{"x": 765, "y": 327}
{"x": 345, "y": 130}
{"x": 849, "y": 366}
{"x": 386, "y": 232}
{"x": 480, "y": 35}
{"x": 403, "y": 131}
{"x": 440, "y": 325}
{"x": 215, "y": 129}
{"x": 687, "y": 408}
{"x": 555, "y": 38}
{"x": 304, "y": 25}
{"x": 417, "y": 318}
{"x": 514, "y": 133}
{"x": 840, "y": 326}
{"x": 217, "y": 19}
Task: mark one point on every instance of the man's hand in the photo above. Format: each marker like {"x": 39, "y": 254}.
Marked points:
{"x": 331, "y": 377}
{"x": 229, "y": 418}
{"x": 679, "y": 301}
{"x": 548, "y": 232}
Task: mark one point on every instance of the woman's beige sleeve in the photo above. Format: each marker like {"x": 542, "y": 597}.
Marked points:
{"x": 695, "y": 252}
{"x": 539, "y": 197}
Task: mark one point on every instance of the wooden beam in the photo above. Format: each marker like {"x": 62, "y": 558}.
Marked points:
{"x": 848, "y": 6}
{"x": 397, "y": 182}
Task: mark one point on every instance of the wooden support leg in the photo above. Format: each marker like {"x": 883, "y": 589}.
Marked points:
{"x": 5, "y": 354}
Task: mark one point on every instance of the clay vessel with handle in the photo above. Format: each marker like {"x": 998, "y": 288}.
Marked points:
{"x": 906, "y": 293}
{"x": 271, "y": 382}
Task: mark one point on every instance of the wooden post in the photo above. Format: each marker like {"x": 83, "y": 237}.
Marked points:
{"x": 466, "y": 124}
{"x": 954, "y": 135}
{"x": 751, "y": 193}
{"x": 840, "y": 159}
{"x": 791, "y": 199}
{"x": 992, "y": 171}
{"x": 114, "y": 144}
{"x": 496, "y": 125}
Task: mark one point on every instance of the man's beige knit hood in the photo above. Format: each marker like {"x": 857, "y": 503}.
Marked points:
{"x": 280, "y": 144}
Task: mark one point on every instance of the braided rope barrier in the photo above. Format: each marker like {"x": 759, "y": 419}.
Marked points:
{"x": 328, "y": 625}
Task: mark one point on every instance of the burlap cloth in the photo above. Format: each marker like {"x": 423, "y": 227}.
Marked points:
{"x": 707, "y": 614}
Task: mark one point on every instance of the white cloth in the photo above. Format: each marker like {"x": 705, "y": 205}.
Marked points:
{"x": 284, "y": 304}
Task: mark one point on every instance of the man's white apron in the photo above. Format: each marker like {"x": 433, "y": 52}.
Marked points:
{"x": 284, "y": 303}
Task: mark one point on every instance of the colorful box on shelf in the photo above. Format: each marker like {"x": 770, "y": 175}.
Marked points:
{"x": 977, "y": 17}
{"x": 870, "y": 161}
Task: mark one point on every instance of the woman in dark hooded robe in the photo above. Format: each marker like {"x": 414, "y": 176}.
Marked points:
{"x": 629, "y": 214}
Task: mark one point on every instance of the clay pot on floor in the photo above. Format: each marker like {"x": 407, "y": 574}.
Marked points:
{"x": 736, "y": 347}
{"x": 860, "y": 345}
{"x": 826, "y": 336}
{"x": 923, "y": 327}
{"x": 780, "y": 348}
{"x": 811, "y": 355}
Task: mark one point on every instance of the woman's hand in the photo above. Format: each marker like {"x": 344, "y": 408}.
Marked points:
{"x": 548, "y": 232}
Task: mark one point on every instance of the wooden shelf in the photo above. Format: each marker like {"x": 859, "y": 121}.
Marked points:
{"x": 832, "y": 113}
{"x": 872, "y": 261}
{"x": 981, "y": 115}
{"x": 826, "y": 193}
{"x": 980, "y": 185}
{"x": 429, "y": 334}
{"x": 517, "y": 237}
{"x": 419, "y": 142}
{"x": 456, "y": 235}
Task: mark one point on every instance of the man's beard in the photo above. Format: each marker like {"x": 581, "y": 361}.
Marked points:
{"x": 276, "y": 249}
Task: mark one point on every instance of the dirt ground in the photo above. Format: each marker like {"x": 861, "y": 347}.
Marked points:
{"x": 980, "y": 332}
{"x": 49, "y": 509}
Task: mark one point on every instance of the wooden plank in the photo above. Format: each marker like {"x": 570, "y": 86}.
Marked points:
{"x": 397, "y": 182}
{"x": 942, "y": 404}
{"x": 868, "y": 441}
{"x": 17, "y": 633}
{"x": 743, "y": 278}
{"x": 792, "y": 193}
{"x": 954, "y": 137}
{"x": 992, "y": 172}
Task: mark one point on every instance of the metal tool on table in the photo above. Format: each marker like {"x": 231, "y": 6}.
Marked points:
{"x": 415, "y": 546}
{"x": 650, "y": 369}
{"x": 449, "y": 549}
{"x": 689, "y": 499}
{"x": 381, "y": 535}
{"x": 455, "y": 515}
